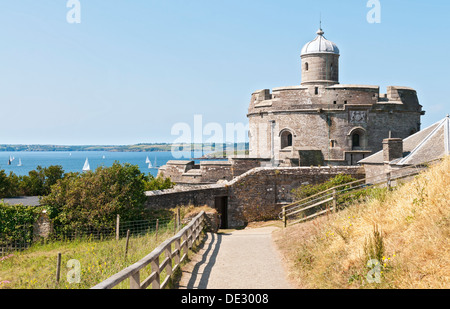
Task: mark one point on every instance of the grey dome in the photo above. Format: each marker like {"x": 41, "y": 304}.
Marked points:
{"x": 320, "y": 45}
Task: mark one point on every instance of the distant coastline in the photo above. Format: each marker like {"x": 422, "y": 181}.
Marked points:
{"x": 115, "y": 148}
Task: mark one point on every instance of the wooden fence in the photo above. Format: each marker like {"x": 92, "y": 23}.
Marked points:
{"x": 328, "y": 200}
{"x": 175, "y": 251}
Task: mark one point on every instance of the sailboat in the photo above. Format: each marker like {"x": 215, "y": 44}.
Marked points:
{"x": 149, "y": 164}
{"x": 155, "y": 163}
{"x": 147, "y": 160}
{"x": 20, "y": 162}
{"x": 86, "y": 166}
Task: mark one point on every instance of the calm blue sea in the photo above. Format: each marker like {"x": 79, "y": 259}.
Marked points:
{"x": 74, "y": 161}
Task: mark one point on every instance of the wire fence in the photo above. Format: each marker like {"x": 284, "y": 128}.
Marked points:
{"x": 23, "y": 238}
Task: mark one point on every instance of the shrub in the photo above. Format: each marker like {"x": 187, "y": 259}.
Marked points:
{"x": 94, "y": 199}
{"x": 16, "y": 222}
{"x": 308, "y": 190}
{"x": 37, "y": 183}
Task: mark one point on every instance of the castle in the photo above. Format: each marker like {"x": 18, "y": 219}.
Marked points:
{"x": 317, "y": 123}
{"x": 322, "y": 122}
{"x": 298, "y": 135}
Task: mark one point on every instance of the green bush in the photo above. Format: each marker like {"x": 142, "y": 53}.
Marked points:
{"x": 92, "y": 200}
{"x": 308, "y": 190}
{"x": 16, "y": 222}
{"x": 37, "y": 183}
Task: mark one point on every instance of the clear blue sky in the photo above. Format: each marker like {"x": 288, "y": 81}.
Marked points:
{"x": 132, "y": 69}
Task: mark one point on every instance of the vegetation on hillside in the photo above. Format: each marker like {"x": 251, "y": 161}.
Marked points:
{"x": 35, "y": 268}
{"x": 142, "y": 147}
{"x": 392, "y": 239}
{"x": 37, "y": 183}
{"x": 77, "y": 202}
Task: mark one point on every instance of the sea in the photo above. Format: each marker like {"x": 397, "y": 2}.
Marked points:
{"x": 74, "y": 161}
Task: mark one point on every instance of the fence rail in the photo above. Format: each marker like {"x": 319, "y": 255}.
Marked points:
{"x": 328, "y": 200}
{"x": 175, "y": 250}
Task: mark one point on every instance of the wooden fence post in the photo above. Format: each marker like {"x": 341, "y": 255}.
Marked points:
{"x": 157, "y": 226}
{"x": 117, "y": 227}
{"x": 178, "y": 219}
{"x": 58, "y": 267}
{"x": 156, "y": 284}
{"x": 126, "y": 245}
{"x": 334, "y": 200}
{"x": 284, "y": 217}
{"x": 135, "y": 281}
{"x": 388, "y": 181}
{"x": 177, "y": 256}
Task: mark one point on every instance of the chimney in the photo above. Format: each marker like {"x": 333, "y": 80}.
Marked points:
{"x": 392, "y": 148}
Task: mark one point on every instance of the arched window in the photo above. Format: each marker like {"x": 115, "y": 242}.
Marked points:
{"x": 306, "y": 66}
{"x": 286, "y": 139}
{"x": 356, "y": 140}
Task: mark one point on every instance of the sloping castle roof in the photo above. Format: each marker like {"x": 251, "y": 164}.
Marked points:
{"x": 424, "y": 146}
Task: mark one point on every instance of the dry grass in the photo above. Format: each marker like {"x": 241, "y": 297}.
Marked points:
{"x": 414, "y": 224}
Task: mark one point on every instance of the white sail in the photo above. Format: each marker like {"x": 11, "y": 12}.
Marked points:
{"x": 86, "y": 166}
{"x": 147, "y": 160}
{"x": 155, "y": 162}
{"x": 20, "y": 162}
{"x": 150, "y": 164}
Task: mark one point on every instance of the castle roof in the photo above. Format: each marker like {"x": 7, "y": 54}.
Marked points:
{"x": 427, "y": 145}
{"x": 320, "y": 45}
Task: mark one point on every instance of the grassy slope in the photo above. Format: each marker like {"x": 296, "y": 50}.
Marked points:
{"x": 35, "y": 268}
{"x": 414, "y": 221}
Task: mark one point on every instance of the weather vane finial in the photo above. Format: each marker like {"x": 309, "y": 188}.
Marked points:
{"x": 320, "y": 31}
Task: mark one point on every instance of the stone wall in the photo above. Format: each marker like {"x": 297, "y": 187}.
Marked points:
{"x": 327, "y": 121}
{"x": 255, "y": 195}
{"x": 260, "y": 193}
{"x": 209, "y": 172}
{"x": 185, "y": 195}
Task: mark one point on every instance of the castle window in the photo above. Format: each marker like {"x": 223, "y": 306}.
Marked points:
{"x": 334, "y": 102}
{"x": 316, "y": 91}
{"x": 345, "y": 102}
{"x": 306, "y": 66}
{"x": 356, "y": 141}
{"x": 286, "y": 139}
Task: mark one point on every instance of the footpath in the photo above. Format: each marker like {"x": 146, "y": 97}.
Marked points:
{"x": 240, "y": 259}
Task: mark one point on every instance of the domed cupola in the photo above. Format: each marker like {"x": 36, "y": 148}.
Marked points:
{"x": 320, "y": 61}
{"x": 320, "y": 45}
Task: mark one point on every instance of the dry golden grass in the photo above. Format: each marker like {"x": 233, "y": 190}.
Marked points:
{"x": 414, "y": 220}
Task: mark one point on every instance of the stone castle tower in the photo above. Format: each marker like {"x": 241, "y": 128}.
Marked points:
{"x": 322, "y": 122}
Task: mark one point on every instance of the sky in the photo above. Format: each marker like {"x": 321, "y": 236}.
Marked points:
{"x": 130, "y": 71}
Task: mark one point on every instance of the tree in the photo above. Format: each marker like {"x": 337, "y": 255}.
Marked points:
{"x": 94, "y": 199}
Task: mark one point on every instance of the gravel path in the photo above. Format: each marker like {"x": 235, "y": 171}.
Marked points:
{"x": 243, "y": 259}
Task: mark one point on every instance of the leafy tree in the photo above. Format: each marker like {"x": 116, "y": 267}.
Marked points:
{"x": 158, "y": 183}
{"x": 94, "y": 199}
{"x": 38, "y": 182}
{"x": 8, "y": 184}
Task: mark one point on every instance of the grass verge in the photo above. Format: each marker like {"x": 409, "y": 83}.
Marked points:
{"x": 396, "y": 239}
